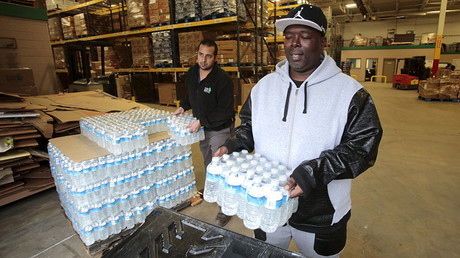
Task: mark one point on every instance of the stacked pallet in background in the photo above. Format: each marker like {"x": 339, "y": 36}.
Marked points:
{"x": 138, "y": 13}
{"x": 141, "y": 49}
{"x": 124, "y": 86}
{"x": 91, "y": 25}
{"x": 187, "y": 11}
{"x": 68, "y": 27}
{"x": 262, "y": 10}
{"x": 162, "y": 48}
{"x": 59, "y": 57}
{"x": 212, "y": 9}
{"x": 228, "y": 55}
{"x": 159, "y": 12}
{"x": 54, "y": 28}
{"x": 446, "y": 86}
{"x": 188, "y": 43}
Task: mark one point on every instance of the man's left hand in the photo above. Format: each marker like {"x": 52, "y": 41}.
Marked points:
{"x": 292, "y": 186}
{"x": 194, "y": 126}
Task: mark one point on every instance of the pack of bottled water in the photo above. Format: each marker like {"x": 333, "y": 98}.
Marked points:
{"x": 251, "y": 187}
{"x": 177, "y": 129}
{"x": 154, "y": 120}
{"x": 114, "y": 133}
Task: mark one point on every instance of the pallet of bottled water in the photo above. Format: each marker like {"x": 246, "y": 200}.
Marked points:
{"x": 107, "y": 194}
{"x": 252, "y": 187}
{"x": 177, "y": 129}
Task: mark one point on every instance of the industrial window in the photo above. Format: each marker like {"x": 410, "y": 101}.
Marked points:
{"x": 355, "y": 63}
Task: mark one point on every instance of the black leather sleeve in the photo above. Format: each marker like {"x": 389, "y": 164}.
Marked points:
{"x": 356, "y": 152}
{"x": 242, "y": 136}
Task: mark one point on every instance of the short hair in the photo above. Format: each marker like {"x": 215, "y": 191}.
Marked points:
{"x": 209, "y": 43}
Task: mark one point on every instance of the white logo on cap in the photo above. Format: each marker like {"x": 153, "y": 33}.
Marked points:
{"x": 297, "y": 15}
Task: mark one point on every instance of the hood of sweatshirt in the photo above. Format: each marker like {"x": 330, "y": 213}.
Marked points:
{"x": 326, "y": 70}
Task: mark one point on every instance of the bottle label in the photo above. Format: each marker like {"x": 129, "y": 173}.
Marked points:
{"x": 234, "y": 189}
{"x": 257, "y": 201}
{"x": 212, "y": 177}
{"x": 273, "y": 204}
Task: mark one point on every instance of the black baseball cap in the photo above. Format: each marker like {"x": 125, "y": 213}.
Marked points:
{"x": 305, "y": 14}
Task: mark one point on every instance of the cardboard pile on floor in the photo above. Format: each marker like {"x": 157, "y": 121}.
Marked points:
{"x": 23, "y": 168}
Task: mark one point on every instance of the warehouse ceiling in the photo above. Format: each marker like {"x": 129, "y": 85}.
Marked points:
{"x": 367, "y": 10}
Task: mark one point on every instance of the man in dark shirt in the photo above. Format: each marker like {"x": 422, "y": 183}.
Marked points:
{"x": 210, "y": 96}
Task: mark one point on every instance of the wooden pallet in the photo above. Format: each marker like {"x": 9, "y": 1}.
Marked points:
{"x": 438, "y": 100}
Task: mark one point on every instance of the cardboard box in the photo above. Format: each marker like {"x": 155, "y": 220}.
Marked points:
{"x": 167, "y": 93}
{"x": 18, "y": 80}
{"x": 245, "y": 91}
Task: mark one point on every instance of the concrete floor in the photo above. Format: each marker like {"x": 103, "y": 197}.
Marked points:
{"x": 405, "y": 206}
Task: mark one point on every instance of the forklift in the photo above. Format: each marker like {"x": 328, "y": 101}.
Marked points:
{"x": 414, "y": 70}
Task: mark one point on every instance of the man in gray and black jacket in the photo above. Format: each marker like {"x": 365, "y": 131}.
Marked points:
{"x": 321, "y": 124}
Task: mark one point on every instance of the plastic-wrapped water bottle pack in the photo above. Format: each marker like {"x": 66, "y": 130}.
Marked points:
{"x": 177, "y": 129}
{"x": 114, "y": 133}
{"x": 252, "y": 187}
{"x": 153, "y": 119}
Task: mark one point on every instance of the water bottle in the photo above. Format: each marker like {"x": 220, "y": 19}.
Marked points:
{"x": 243, "y": 190}
{"x": 211, "y": 184}
{"x": 255, "y": 202}
{"x": 226, "y": 168}
{"x": 232, "y": 192}
{"x": 282, "y": 179}
{"x": 272, "y": 210}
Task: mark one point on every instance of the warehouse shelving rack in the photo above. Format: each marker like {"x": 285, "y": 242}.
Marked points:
{"x": 109, "y": 7}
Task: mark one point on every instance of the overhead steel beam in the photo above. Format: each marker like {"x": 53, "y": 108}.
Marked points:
{"x": 361, "y": 7}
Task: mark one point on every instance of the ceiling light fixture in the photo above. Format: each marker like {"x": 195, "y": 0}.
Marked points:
{"x": 350, "y": 6}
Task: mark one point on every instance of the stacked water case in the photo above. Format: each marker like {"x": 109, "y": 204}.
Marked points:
{"x": 106, "y": 194}
{"x": 251, "y": 187}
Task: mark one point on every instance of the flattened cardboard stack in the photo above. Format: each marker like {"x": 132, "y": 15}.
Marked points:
{"x": 68, "y": 108}
{"x": 23, "y": 168}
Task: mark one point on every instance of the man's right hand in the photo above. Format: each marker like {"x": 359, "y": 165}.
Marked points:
{"x": 221, "y": 151}
{"x": 179, "y": 111}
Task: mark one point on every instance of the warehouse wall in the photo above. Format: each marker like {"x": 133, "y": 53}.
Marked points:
{"x": 420, "y": 25}
{"x": 381, "y": 55}
{"x": 33, "y": 50}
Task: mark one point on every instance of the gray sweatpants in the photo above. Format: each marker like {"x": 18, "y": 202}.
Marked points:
{"x": 305, "y": 241}
{"x": 212, "y": 141}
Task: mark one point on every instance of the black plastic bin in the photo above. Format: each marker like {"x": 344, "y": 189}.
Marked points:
{"x": 167, "y": 233}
